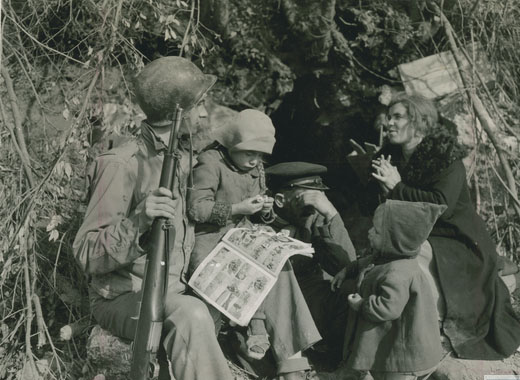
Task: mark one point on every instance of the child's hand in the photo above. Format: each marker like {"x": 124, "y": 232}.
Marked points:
{"x": 268, "y": 205}
{"x": 338, "y": 279}
{"x": 355, "y": 301}
{"x": 248, "y": 206}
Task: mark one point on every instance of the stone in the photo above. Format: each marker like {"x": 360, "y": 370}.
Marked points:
{"x": 28, "y": 373}
{"x": 109, "y": 358}
{"x": 458, "y": 369}
{"x": 108, "y": 355}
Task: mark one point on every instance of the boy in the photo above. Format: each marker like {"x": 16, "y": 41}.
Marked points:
{"x": 395, "y": 334}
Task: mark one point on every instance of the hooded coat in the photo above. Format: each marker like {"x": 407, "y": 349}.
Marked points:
{"x": 480, "y": 321}
{"x": 396, "y": 327}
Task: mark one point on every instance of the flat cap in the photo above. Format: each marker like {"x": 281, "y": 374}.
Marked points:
{"x": 296, "y": 174}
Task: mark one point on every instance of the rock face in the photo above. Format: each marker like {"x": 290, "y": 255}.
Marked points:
{"x": 108, "y": 355}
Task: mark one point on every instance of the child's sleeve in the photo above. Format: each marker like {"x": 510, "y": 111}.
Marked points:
{"x": 389, "y": 304}
{"x": 202, "y": 207}
{"x": 356, "y": 267}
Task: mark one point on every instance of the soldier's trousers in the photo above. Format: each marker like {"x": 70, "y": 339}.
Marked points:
{"x": 189, "y": 338}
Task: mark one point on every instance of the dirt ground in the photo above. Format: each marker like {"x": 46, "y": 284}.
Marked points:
{"x": 450, "y": 368}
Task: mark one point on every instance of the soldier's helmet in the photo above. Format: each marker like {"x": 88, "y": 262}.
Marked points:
{"x": 168, "y": 81}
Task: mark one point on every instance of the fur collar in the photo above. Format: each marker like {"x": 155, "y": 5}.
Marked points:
{"x": 433, "y": 155}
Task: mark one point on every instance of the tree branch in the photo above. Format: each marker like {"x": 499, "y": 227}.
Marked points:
{"x": 18, "y": 129}
{"x": 486, "y": 122}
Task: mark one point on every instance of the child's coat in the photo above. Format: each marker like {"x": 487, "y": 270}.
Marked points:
{"x": 218, "y": 185}
{"x": 396, "y": 329}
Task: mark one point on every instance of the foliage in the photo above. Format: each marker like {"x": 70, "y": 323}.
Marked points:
{"x": 68, "y": 62}
{"x": 321, "y": 66}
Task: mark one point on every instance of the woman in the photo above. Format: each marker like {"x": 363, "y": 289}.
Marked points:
{"x": 423, "y": 163}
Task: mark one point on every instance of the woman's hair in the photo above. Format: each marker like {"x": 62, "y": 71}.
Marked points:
{"x": 422, "y": 112}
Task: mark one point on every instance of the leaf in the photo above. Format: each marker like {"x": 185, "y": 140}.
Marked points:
{"x": 68, "y": 169}
{"x": 56, "y": 220}
{"x": 54, "y": 235}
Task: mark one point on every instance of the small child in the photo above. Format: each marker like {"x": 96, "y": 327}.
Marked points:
{"x": 395, "y": 332}
{"x": 229, "y": 191}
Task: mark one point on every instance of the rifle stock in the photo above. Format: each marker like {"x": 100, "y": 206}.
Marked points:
{"x": 144, "y": 364}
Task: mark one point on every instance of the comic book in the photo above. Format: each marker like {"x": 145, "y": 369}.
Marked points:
{"x": 241, "y": 270}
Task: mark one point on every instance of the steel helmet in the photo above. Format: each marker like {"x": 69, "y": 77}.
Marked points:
{"x": 167, "y": 81}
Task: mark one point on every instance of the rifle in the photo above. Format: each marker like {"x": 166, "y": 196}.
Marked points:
{"x": 155, "y": 283}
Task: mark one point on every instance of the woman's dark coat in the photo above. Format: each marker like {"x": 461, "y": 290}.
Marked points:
{"x": 480, "y": 322}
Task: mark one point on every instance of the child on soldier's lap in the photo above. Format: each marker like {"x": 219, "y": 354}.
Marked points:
{"x": 229, "y": 191}
{"x": 395, "y": 331}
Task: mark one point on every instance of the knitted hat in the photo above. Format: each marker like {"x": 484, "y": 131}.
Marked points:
{"x": 406, "y": 225}
{"x": 248, "y": 130}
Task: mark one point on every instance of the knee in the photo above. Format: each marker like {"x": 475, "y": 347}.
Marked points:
{"x": 192, "y": 313}
{"x": 199, "y": 314}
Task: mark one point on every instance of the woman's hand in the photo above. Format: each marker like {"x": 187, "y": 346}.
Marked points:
{"x": 355, "y": 301}
{"x": 248, "y": 206}
{"x": 338, "y": 279}
{"x": 387, "y": 174}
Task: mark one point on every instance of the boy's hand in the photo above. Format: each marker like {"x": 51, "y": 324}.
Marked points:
{"x": 248, "y": 206}
{"x": 268, "y": 205}
{"x": 355, "y": 301}
{"x": 338, "y": 279}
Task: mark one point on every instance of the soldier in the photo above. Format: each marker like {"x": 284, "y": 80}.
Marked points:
{"x": 124, "y": 200}
{"x": 303, "y": 209}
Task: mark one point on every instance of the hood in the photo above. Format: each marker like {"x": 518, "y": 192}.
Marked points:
{"x": 406, "y": 225}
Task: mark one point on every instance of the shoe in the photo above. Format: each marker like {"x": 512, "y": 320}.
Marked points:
{"x": 257, "y": 341}
{"x": 257, "y": 346}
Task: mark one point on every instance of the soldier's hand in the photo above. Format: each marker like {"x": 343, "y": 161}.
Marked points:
{"x": 159, "y": 203}
{"x": 319, "y": 201}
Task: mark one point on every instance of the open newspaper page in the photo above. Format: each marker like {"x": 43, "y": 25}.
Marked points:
{"x": 269, "y": 250}
{"x": 240, "y": 271}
